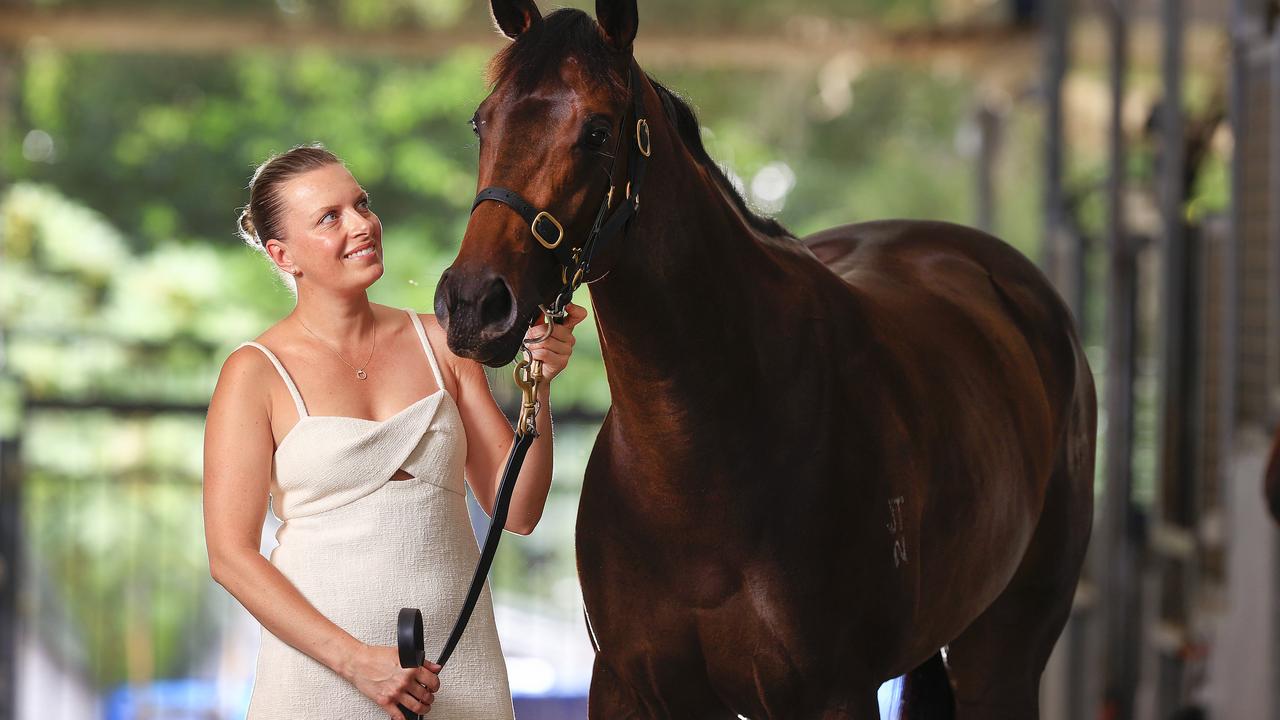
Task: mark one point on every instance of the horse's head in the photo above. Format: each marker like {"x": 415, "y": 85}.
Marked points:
{"x": 549, "y": 132}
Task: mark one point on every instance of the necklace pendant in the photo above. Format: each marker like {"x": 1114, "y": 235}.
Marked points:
{"x": 361, "y": 374}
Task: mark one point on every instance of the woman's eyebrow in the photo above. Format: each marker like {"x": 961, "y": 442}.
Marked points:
{"x": 320, "y": 212}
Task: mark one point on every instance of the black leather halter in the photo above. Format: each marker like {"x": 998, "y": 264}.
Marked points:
{"x": 575, "y": 266}
{"x": 575, "y": 262}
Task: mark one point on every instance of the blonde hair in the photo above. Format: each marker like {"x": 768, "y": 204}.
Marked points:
{"x": 260, "y": 219}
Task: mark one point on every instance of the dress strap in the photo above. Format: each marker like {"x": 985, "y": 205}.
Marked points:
{"x": 426, "y": 346}
{"x": 288, "y": 381}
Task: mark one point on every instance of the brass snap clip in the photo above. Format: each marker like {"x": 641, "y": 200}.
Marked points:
{"x": 528, "y": 373}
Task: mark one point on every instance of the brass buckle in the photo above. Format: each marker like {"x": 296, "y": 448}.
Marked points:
{"x": 538, "y": 236}
{"x": 642, "y": 137}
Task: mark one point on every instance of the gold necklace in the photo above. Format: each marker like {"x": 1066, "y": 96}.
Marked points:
{"x": 360, "y": 373}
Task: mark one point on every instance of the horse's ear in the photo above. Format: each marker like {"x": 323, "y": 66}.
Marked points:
{"x": 619, "y": 19}
{"x": 514, "y": 17}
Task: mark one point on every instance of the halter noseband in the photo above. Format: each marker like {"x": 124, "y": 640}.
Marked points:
{"x": 575, "y": 263}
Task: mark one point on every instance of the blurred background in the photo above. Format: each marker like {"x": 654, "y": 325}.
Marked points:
{"x": 1130, "y": 147}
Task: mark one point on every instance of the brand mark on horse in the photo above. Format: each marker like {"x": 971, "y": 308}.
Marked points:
{"x": 897, "y": 529}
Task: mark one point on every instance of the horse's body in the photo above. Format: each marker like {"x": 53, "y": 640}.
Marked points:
{"x": 824, "y": 460}
{"x": 816, "y": 496}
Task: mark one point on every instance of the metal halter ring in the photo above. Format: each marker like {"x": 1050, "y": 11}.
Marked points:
{"x": 642, "y": 137}
{"x": 538, "y": 236}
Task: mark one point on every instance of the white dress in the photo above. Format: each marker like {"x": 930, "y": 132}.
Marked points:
{"x": 360, "y": 546}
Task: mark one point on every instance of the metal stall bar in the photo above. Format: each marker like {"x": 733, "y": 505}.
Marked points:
{"x": 10, "y": 572}
{"x": 1055, "y": 70}
{"x": 1173, "y": 538}
{"x": 1069, "y": 688}
{"x": 1271, "y": 334}
{"x": 1116, "y": 544}
{"x": 1247, "y": 636}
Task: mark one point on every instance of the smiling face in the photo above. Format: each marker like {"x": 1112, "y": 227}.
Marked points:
{"x": 330, "y": 234}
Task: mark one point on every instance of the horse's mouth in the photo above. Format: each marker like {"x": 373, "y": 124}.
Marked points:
{"x": 493, "y": 352}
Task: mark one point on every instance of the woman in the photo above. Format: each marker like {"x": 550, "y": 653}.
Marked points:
{"x": 362, "y": 444}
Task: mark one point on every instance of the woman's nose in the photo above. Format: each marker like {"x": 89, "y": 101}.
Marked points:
{"x": 361, "y": 224}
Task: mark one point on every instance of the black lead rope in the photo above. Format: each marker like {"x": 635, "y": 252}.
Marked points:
{"x": 411, "y": 636}
{"x": 576, "y": 265}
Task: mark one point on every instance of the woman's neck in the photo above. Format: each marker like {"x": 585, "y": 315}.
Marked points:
{"x": 341, "y": 320}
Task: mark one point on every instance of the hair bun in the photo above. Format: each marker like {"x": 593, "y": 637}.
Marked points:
{"x": 261, "y": 218}
{"x": 246, "y": 228}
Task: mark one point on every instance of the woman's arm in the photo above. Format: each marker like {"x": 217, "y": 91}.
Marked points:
{"x": 490, "y": 437}
{"x": 238, "y": 448}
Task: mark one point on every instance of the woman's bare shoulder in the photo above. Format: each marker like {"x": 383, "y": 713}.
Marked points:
{"x": 459, "y": 368}
{"x": 247, "y": 370}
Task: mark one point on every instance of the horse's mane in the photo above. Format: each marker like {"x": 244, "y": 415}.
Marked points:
{"x": 570, "y": 31}
{"x": 685, "y": 121}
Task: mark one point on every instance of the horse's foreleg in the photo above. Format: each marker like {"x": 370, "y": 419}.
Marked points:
{"x": 859, "y": 706}
{"x": 609, "y": 698}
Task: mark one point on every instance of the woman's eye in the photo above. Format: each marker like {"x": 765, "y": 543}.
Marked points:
{"x": 363, "y": 204}
{"x": 326, "y": 216}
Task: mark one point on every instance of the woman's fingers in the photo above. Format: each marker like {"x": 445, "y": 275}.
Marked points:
{"x": 428, "y": 677}
{"x": 554, "y": 345}
{"x": 577, "y": 314}
{"x": 415, "y": 697}
{"x": 554, "y": 349}
{"x": 549, "y": 356}
{"x": 561, "y": 333}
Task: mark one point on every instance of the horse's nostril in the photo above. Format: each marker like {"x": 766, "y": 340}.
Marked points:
{"x": 443, "y": 300}
{"x": 497, "y": 305}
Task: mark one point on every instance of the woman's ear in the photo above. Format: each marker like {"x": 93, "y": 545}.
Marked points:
{"x": 514, "y": 17}
{"x": 279, "y": 254}
{"x": 619, "y": 19}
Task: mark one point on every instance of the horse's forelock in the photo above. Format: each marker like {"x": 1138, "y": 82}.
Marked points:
{"x": 540, "y": 51}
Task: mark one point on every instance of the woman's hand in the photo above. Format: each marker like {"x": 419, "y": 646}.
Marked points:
{"x": 554, "y": 351}
{"x": 376, "y": 673}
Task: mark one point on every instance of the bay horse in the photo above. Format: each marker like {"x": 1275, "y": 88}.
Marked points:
{"x": 827, "y": 460}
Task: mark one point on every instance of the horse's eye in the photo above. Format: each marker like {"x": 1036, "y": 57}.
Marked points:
{"x": 598, "y": 137}
{"x": 475, "y": 126}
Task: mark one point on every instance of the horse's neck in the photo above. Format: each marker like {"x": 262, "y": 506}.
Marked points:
{"x": 678, "y": 305}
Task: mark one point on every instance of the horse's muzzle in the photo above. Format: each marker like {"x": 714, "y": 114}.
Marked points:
{"x": 479, "y": 314}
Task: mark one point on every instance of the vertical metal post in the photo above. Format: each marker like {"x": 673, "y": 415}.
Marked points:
{"x": 1115, "y": 543}
{"x": 10, "y": 573}
{"x": 1175, "y": 509}
{"x": 1055, "y": 60}
{"x": 990, "y": 124}
{"x": 1273, "y": 318}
